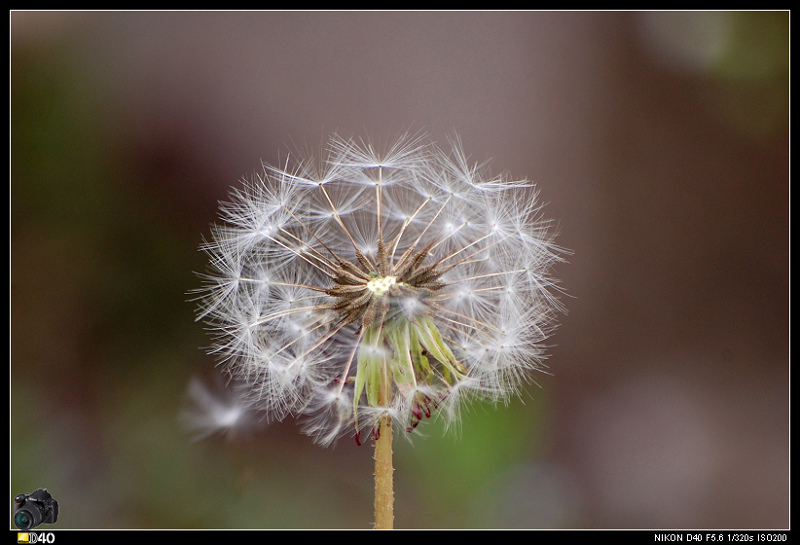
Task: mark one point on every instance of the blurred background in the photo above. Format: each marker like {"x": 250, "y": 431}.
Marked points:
{"x": 660, "y": 142}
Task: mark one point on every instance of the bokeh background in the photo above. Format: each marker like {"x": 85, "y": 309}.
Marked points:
{"x": 660, "y": 142}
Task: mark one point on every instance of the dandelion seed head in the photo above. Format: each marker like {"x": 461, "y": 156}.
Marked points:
{"x": 404, "y": 282}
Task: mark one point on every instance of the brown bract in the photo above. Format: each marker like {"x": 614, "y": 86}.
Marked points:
{"x": 364, "y": 290}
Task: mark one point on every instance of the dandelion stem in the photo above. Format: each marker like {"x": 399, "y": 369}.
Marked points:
{"x": 384, "y": 493}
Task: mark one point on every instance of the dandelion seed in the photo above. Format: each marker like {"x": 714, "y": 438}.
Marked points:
{"x": 399, "y": 285}
{"x": 211, "y": 410}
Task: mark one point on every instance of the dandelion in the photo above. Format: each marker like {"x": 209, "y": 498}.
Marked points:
{"x": 370, "y": 291}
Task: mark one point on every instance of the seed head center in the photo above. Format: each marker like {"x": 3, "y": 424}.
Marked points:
{"x": 381, "y": 284}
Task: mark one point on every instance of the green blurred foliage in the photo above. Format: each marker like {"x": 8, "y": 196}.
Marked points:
{"x": 98, "y": 278}
{"x": 454, "y": 469}
{"x": 748, "y": 81}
